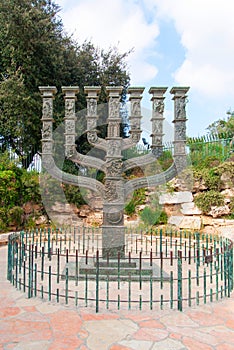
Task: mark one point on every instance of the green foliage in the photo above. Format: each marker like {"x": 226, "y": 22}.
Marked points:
{"x": 30, "y": 187}
{"x": 211, "y": 177}
{"x": 153, "y": 216}
{"x": 35, "y": 51}
{"x": 15, "y": 216}
{"x": 222, "y": 126}
{"x": 73, "y": 195}
{"x": 130, "y": 208}
{"x": 138, "y": 198}
{"x": 206, "y": 200}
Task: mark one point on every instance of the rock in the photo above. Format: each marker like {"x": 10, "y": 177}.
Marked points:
{"x": 199, "y": 186}
{"x": 172, "y": 209}
{"x": 210, "y": 230}
{"x": 176, "y": 198}
{"x": 140, "y": 207}
{"x": 228, "y": 194}
{"x": 84, "y": 211}
{"x": 28, "y": 208}
{"x": 175, "y": 220}
{"x": 190, "y": 209}
{"x": 41, "y": 220}
{"x": 226, "y": 180}
{"x": 216, "y": 212}
{"x": 189, "y": 222}
{"x": 207, "y": 220}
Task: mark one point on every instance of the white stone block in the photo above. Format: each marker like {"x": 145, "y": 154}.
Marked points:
{"x": 176, "y": 198}
{"x": 190, "y": 209}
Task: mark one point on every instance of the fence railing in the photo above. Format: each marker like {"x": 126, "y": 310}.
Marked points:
{"x": 161, "y": 269}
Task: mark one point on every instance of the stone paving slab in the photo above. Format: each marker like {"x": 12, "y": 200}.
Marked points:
{"x": 27, "y": 324}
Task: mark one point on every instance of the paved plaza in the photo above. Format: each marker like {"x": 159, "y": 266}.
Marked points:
{"x": 35, "y": 324}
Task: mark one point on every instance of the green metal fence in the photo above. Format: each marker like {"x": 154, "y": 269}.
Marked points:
{"x": 161, "y": 269}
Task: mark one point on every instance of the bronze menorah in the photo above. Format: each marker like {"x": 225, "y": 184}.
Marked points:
{"x": 115, "y": 189}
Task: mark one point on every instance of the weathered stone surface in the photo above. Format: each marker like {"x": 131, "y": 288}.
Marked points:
{"x": 41, "y": 220}
{"x": 175, "y": 220}
{"x": 207, "y": 220}
{"x": 172, "y": 209}
{"x": 216, "y": 212}
{"x": 199, "y": 186}
{"x": 190, "y": 209}
{"x": 115, "y": 330}
{"x": 176, "y": 198}
{"x": 228, "y": 193}
{"x": 226, "y": 180}
{"x": 189, "y": 222}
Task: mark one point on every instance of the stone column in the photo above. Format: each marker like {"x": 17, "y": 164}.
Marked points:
{"x": 113, "y": 237}
{"x": 135, "y": 96}
{"x": 47, "y": 93}
{"x": 157, "y": 119}
{"x": 92, "y": 117}
{"x": 180, "y": 100}
{"x": 70, "y": 119}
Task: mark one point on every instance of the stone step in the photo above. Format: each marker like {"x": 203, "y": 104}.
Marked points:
{"x": 114, "y": 271}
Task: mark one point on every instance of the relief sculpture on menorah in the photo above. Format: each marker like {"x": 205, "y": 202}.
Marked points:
{"x": 115, "y": 189}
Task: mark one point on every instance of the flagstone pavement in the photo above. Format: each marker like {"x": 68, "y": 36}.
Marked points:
{"x": 27, "y": 324}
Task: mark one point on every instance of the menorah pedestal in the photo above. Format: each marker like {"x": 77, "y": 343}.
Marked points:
{"x": 113, "y": 242}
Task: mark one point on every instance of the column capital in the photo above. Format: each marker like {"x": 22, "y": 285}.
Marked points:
{"x": 157, "y": 92}
{"x": 114, "y": 91}
{"x": 48, "y": 91}
{"x": 179, "y": 91}
{"x": 92, "y": 91}
{"x": 70, "y": 91}
{"x": 135, "y": 92}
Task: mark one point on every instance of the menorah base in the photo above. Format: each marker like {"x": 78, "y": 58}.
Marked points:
{"x": 113, "y": 242}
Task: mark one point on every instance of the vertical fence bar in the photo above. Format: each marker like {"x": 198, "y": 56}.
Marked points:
{"x": 42, "y": 263}
{"x": 189, "y": 288}
{"x": 35, "y": 280}
{"x": 217, "y": 282}
{"x": 97, "y": 281}
{"x": 129, "y": 292}
{"x": 66, "y": 287}
{"x": 171, "y": 290}
{"x": 49, "y": 290}
{"x": 151, "y": 292}
{"x": 179, "y": 280}
{"x": 204, "y": 285}
{"x": 58, "y": 265}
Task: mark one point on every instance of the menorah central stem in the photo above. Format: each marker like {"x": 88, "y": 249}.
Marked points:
{"x": 113, "y": 235}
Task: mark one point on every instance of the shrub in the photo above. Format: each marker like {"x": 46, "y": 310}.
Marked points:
{"x": 15, "y": 215}
{"x": 206, "y": 200}
{"x": 211, "y": 177}
{"x": 153, "y": 217}
{"x": 130, "y": 208}
{"x": 138, "y": 198}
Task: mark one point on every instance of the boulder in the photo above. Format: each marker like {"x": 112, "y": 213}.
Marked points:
{"x": 176, "y": 198}
{"x": 190, "y": 209}
{"x": 189, "y": 222}
{"x": 41, "y": 220}
{"x": 175, "y": 220}
{"x": 216, "y": 211}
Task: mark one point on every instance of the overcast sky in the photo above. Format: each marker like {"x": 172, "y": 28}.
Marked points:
{"x": 176, "y": 43}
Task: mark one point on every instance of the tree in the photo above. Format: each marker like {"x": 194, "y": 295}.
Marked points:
{"x": 222, "y": 126}
{"x": 36, "y": 51}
